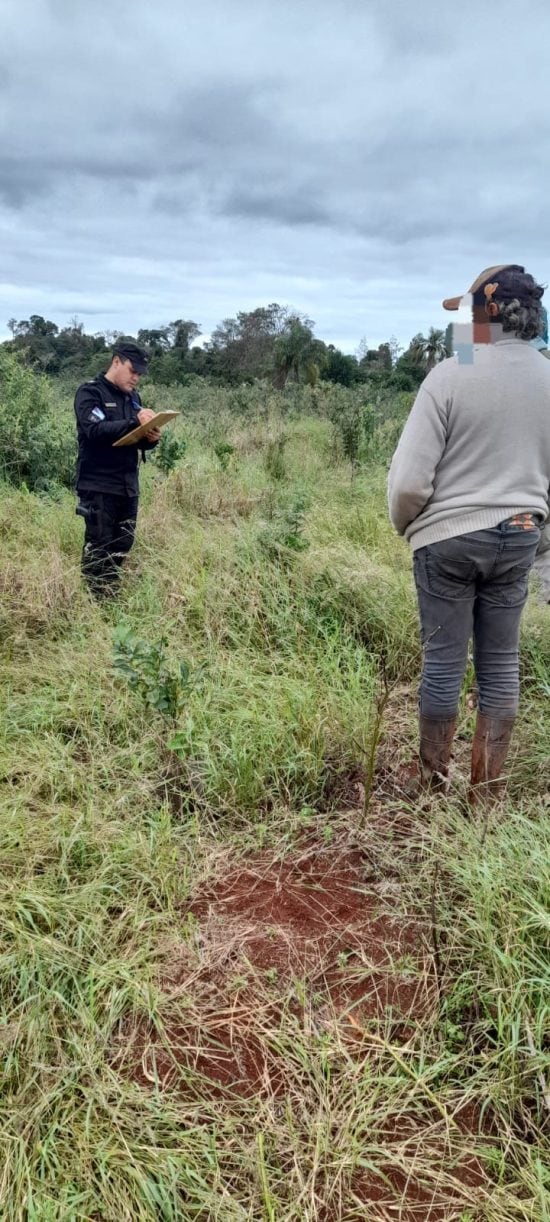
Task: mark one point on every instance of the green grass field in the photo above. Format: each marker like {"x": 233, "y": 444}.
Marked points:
{"x": 241, "y": 978}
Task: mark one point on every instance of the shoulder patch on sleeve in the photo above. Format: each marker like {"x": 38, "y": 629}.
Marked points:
{"x": 97, "y": 413}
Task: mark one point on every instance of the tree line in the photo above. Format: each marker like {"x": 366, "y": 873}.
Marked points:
{"x": 272, "y": 342}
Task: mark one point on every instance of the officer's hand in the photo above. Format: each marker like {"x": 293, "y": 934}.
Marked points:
{"x": 145, "y": 415}
{"x": 153, "y": 435}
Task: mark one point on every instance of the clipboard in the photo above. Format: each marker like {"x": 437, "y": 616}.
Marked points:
{"x": 157, "y": 422}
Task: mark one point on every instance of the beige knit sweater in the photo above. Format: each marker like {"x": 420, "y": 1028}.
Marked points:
{"x": 476, "y": 446}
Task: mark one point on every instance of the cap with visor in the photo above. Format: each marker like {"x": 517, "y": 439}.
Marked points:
{"x": 131, "y": 352}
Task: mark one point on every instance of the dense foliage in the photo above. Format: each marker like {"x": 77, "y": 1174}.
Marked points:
{"x": 273, "y": 343}
{"x": 38, "y": 443}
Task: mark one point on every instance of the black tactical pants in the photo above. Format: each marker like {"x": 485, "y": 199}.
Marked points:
{"x": 110, "y": 528}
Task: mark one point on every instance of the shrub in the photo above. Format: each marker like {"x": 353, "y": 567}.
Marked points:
{"x": 145, "y": 666}
{"x": 169, "y": 451}
{"x": 285, "y": 531}
{"x": 274, "y": 461}
{"x": 37, "y": 442}
{"x": 224, "y": 451}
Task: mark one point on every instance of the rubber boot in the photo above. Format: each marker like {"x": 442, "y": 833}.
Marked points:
{"x": 489, "y": 751}
{"x": 436, "y": 742}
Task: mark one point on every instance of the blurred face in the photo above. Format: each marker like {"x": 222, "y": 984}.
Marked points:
{"x": 123, "y": 375}
{"x": 486, "y": 327}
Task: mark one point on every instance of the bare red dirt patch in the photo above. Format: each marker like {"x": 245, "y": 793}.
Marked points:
{"x": 282, "y": 960}
{"x": 310, "y": 935}
{"x": 322, "y": 917}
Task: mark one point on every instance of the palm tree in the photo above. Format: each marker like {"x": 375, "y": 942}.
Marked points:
{"x": 428, "y": 351}
{"x": 295, "y": 354}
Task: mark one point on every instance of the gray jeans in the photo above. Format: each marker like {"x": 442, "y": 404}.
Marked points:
{"x": 473, "y": 585}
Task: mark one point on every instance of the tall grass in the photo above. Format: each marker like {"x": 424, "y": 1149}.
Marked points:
{"x": 107, "y": 831}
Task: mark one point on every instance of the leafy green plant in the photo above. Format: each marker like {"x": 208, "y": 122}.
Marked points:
{"x": 369, "y": 423}
{"x": 37, "y": 444}
{"x": 286, "y": 530}
{"x": 223, "y": 451}
{"x": 169, "y": 451}
{"x": 148, "y": 672}
{"x": 349, "y": 425}
{"x": 295, "y": 521}
{"x": 355, "y": 426}
{"x": 274, "y": 460}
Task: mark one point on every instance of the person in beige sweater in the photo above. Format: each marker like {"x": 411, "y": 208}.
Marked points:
{"x": 469, "y": 488}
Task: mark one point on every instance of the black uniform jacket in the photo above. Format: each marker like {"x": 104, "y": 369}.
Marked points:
{"x": 103, "y": 414}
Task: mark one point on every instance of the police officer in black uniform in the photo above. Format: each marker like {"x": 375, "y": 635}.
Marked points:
{"x": 107, "y": 408}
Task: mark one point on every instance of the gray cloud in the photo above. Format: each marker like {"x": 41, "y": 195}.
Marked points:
{"x": 277, "y": 205}
{"x": 358, "y": 161}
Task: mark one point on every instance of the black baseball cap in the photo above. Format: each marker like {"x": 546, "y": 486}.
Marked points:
{"x": 131, "y": 352}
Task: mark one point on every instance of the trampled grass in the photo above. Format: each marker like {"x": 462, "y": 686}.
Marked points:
{"x": 359, "y": 1029}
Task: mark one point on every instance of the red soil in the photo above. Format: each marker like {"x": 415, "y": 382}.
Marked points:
{"x": 315, "y": 940}
{"x": 314, "y": 922}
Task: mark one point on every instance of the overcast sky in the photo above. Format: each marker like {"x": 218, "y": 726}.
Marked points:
{"x": 356, "y": 159}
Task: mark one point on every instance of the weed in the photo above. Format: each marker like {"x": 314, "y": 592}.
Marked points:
{"x": 275, "y": 457}
{"x": 37, "y": 443}
{"x": 286, "y": 531}
{"x": 224, "y": 452}
{"x": 169, "y": 452}
{"x": 145, "y": 667}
